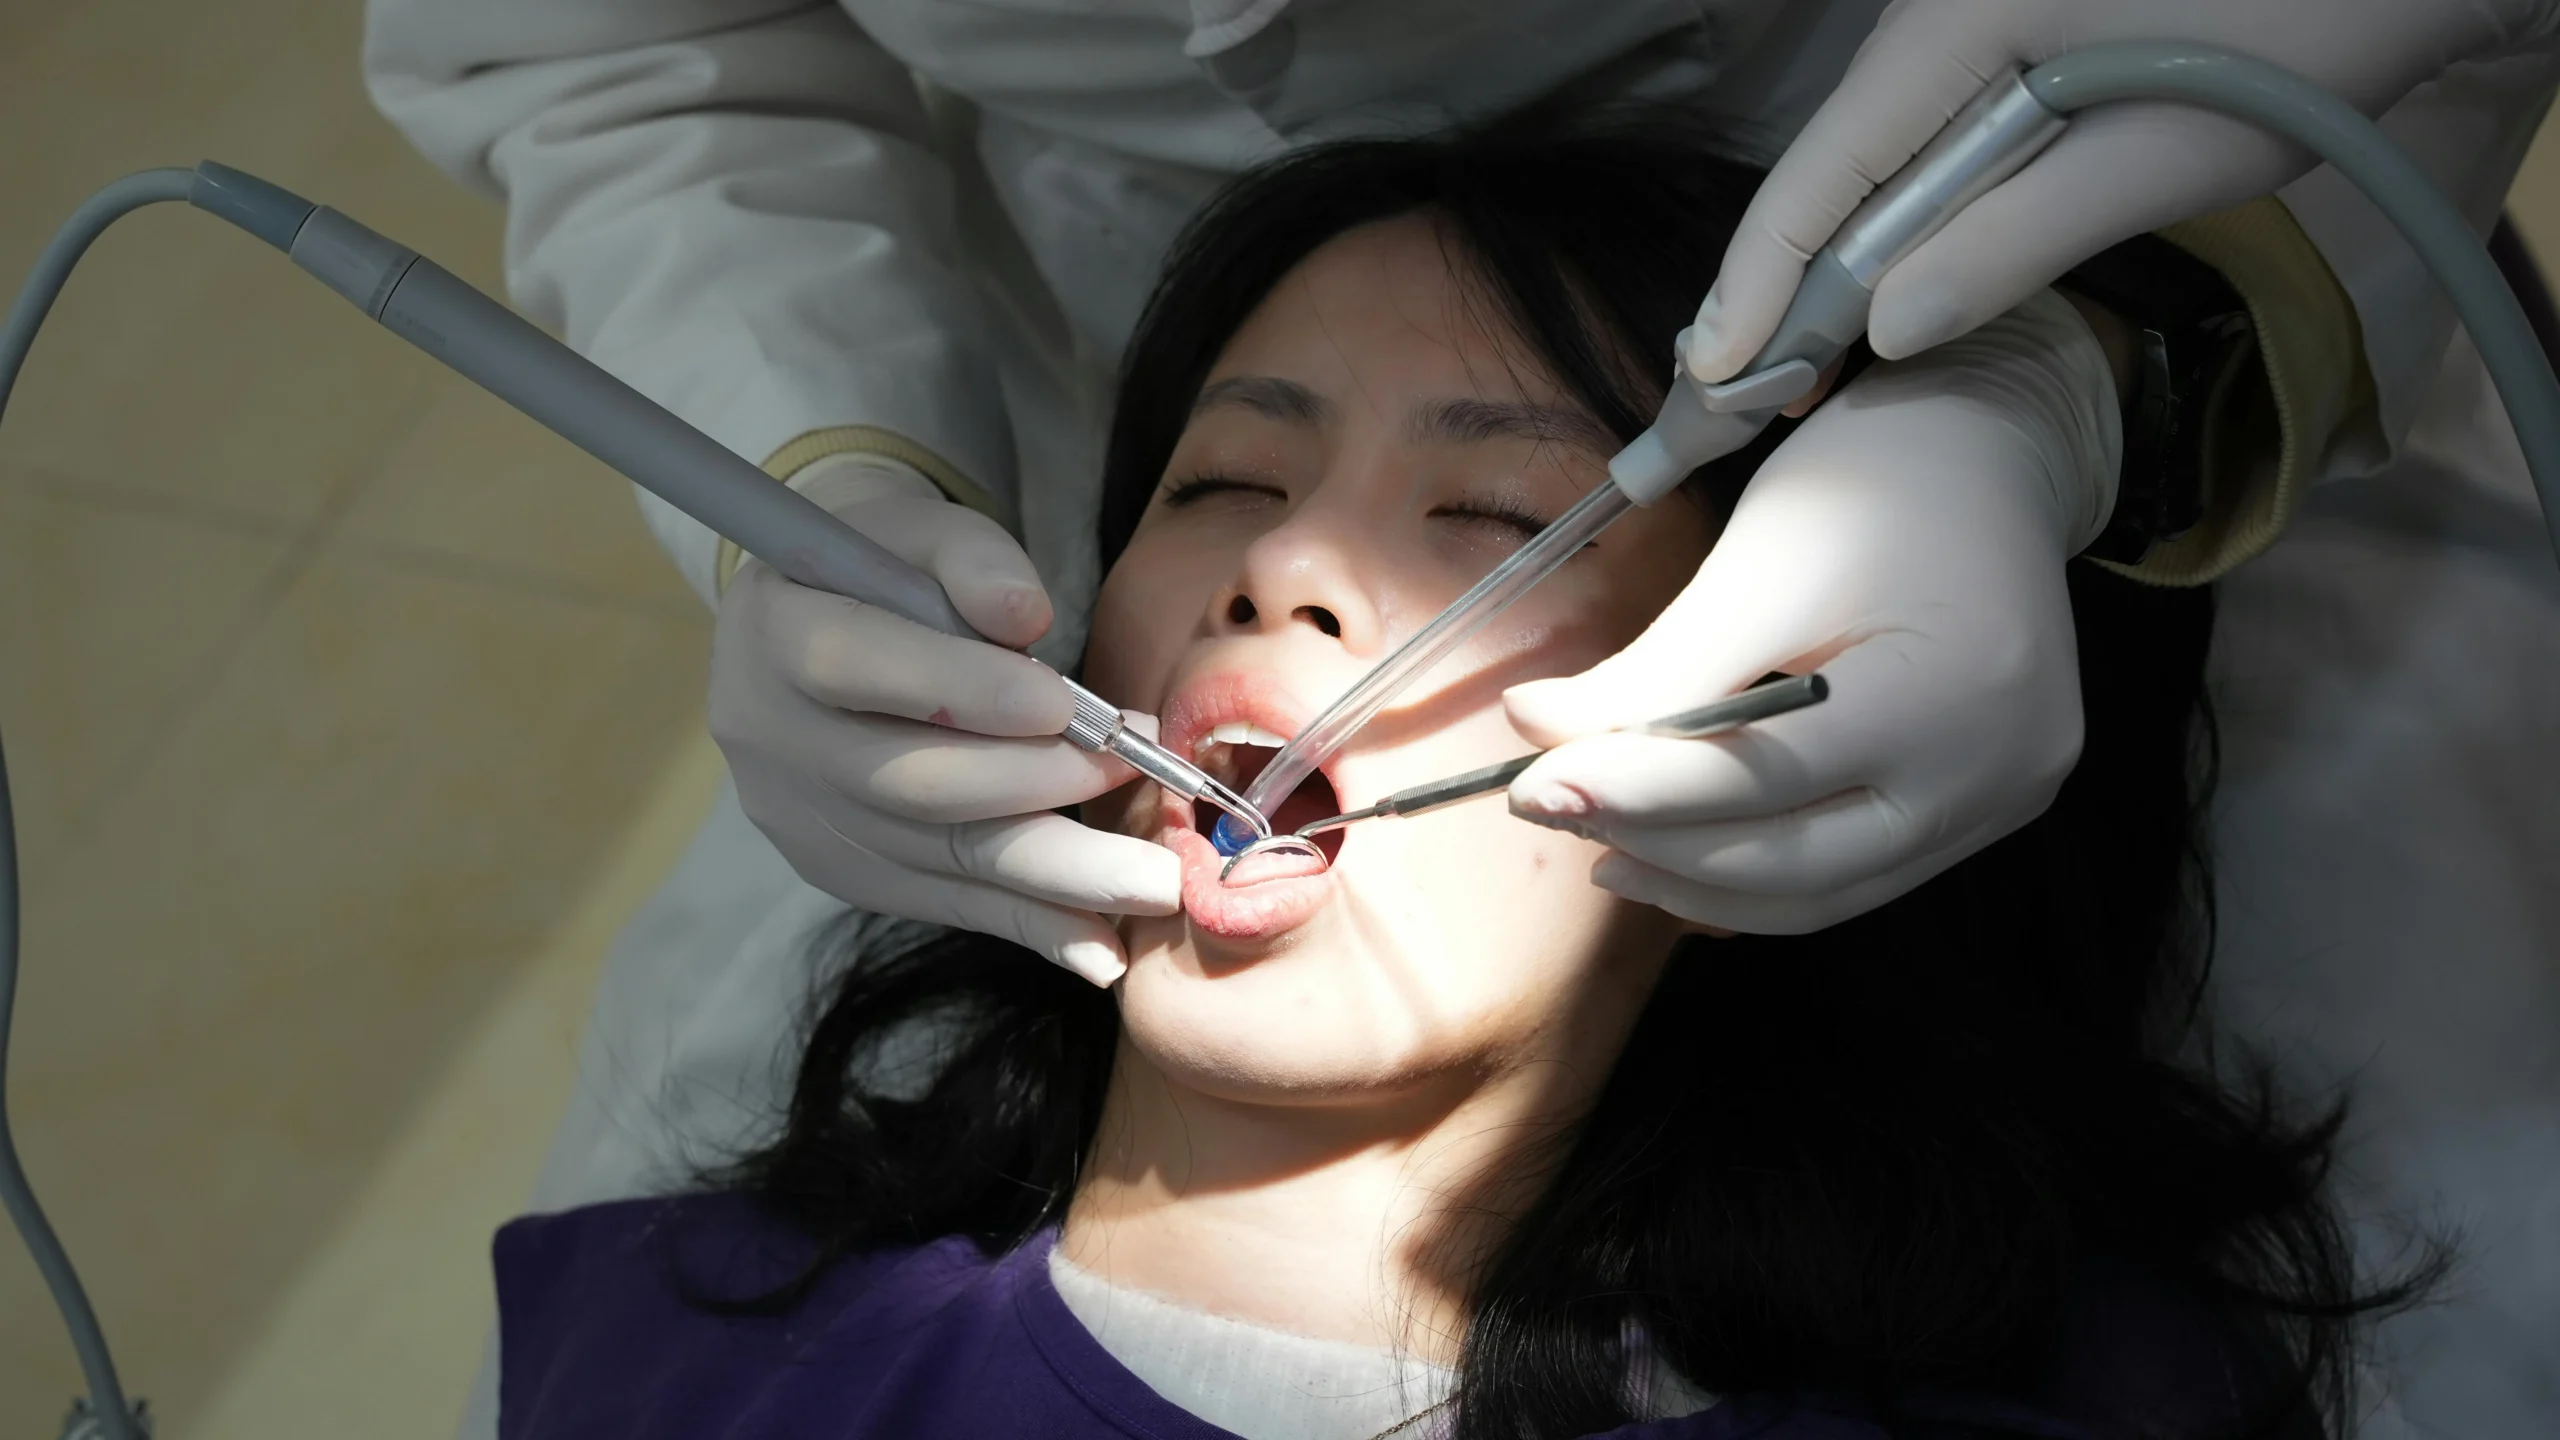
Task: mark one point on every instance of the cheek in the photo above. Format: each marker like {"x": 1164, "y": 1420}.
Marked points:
{"x": 1664, "y": 559}
{"x": 1497, "y": 916}
{"x": 1598, "y": 604}
{"x": 1150, "y": 607}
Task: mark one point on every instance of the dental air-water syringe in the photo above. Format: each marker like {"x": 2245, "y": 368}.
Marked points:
{"x": 1984, "y": 144}
{"x": 1991, "y": 139}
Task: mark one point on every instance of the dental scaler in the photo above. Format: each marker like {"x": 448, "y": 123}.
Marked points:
{"x": 1992, "y": 138}
{"x": 422, "y": 302}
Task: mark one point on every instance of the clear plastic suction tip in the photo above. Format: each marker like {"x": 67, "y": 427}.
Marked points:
{"x": 1507, "y": 582}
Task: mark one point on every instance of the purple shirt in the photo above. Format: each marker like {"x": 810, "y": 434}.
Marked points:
{"x": 598, "y": 1338}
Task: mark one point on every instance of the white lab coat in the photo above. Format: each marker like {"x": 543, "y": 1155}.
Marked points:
{"x": 942, "y": 218}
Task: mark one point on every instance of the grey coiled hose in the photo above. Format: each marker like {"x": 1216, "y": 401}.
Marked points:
{"x": 2277, "y": 100}
{"x": 107, "y": 1414}
{"x": 2237, "y": 85}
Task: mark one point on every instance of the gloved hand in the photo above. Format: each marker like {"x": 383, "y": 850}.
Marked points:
{"x": 2119, "y": 171}
{"x": 1908, "y": 541}
{"x": 910, "y": 773}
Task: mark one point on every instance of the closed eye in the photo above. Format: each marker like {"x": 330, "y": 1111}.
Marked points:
{"x": 1510, "y": 515}
{"x": 1202, "y": 487}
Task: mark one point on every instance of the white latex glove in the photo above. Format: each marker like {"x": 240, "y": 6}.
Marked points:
{"x": 909, "y": 773}
{"x": 1908, "y": 541}
{"x": 2119, "y": 171}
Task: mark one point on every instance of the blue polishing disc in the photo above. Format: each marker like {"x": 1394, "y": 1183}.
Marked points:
{"x": 1231, "y": 835}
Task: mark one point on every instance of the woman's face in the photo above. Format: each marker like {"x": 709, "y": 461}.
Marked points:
{"x": 1370, "y": 443}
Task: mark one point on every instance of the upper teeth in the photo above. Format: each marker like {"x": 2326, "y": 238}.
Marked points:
{"x": 1237, "y": 732}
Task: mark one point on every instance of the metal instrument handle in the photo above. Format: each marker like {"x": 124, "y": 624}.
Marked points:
{"x": 1760, "y": 702}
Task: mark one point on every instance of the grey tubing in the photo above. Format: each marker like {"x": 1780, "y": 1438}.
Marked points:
{"x": 263, "y": 208}
{"x": 2278, "y": 101}
{"x": 109, "y": 1417}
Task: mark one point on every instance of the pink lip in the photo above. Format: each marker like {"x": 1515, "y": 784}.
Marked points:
{"x": 1257, "y": 909}
{"x": 1200, "y": 705}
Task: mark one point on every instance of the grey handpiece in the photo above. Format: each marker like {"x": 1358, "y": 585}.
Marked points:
{"x": 1989, "y": 140}
{"x": 425, "y": 304}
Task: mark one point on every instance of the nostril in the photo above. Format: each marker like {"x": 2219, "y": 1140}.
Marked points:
{"x": 1240, "y": 611}
{"x": 1320, "y": 618}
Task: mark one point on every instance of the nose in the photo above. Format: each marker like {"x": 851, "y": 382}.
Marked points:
{"x": 1301, "y": 574}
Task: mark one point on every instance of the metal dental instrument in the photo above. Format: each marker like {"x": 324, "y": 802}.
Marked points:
{"x": 1989, "y": 140}
{"x": 1734, "y": 711}
{"x": 421, "y": 302}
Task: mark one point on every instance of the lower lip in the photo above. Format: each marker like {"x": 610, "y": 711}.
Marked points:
{"x": 1257, "y": 911}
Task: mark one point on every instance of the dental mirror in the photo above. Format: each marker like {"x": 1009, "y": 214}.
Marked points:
{"x": 1760, "y": 702}
{"x": 1284, "y": 843}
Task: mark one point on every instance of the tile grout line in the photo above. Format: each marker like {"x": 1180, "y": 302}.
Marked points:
{"x": 117, "y": 498}
{"x": 206, "y": 674}
{"x": 530, "y": 1028}
{"x": 449, "y": 565}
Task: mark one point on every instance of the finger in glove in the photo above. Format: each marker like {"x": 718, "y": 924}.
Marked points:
{"x": 1043, "y": 856}
{"x": 858, "y": 657}
{"x": 991, "y": 582}
{"x": 1751, "y": 913}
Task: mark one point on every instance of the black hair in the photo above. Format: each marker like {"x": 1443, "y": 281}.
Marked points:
{"x": 1913, "y": 1154}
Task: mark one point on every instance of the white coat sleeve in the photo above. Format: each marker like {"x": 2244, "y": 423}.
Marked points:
{"x": 2469, "y": 129}
{"x": 733, "y": 205}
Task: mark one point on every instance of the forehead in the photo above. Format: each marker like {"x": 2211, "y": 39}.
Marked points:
{"x": 1388, "y": 309}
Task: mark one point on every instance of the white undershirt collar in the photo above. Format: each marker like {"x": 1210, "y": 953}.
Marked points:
{"x": 1266, "y": 1384}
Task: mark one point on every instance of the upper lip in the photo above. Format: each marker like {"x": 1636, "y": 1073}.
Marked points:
{"x": 1205, "y": 702}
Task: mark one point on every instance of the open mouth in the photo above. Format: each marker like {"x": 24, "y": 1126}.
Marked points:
{"x": 1235, "y": 754}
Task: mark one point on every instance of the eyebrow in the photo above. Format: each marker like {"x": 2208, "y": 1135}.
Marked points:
{"x": 1464, "y": 420}
{"x": 1266, "y": 395}
{"x": 1471, "y": 421}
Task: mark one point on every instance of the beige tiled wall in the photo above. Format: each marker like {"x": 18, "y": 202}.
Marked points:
{"x": 347, "y": 713}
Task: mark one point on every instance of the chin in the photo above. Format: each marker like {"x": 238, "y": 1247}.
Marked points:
{"x": 1293, "y": 1025}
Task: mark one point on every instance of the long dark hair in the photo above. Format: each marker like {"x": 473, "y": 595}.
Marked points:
{"x": 1913, "y": 1154}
